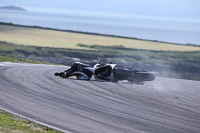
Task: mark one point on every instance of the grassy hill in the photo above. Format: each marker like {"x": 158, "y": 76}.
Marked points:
{"x": 68, "y": 39}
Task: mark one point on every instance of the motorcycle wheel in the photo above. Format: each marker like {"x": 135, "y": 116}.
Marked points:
{"x": 103, "y": 72}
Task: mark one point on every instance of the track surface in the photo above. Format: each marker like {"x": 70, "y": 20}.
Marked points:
{"x": 162, "y": 106}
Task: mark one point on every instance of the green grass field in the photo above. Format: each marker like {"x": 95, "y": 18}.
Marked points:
{"x": 13, "y": 124}
{"x": 62, "y": 39}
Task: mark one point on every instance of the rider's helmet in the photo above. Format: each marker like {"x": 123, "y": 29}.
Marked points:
{"x": 76, "y": 63}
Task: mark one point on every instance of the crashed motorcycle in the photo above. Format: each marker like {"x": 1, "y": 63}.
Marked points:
{"x": 78, "y": 69}
{"x": 115, "y": 73}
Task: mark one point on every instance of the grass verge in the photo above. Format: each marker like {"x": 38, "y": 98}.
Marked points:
{"x": 18, "y": 60}
{"x": 11, "y": 59}
{"x": 13, "y": 124}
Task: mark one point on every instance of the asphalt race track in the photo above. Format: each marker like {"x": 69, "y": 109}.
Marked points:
{"x": 69, "y": 105}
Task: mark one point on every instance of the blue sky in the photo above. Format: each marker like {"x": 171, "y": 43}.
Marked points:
{"x": 155, "y": 7}
{"x": 168, "y": 8}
